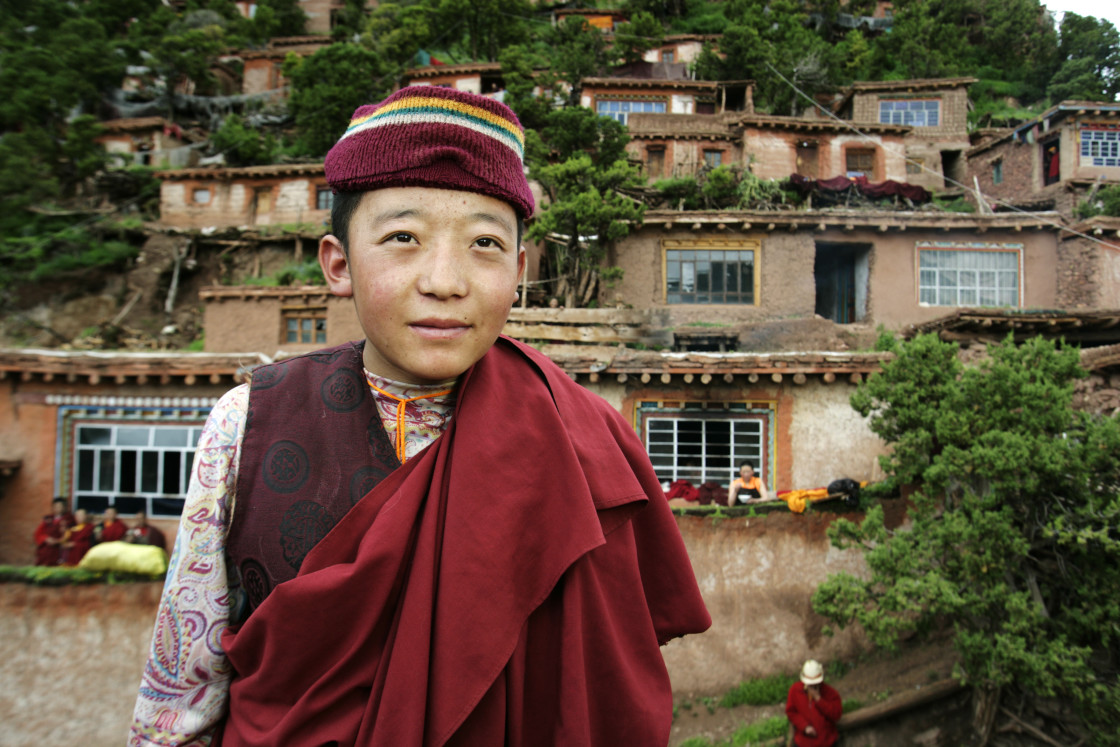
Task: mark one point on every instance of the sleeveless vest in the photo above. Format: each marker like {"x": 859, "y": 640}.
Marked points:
{"x": 313, "y": 446}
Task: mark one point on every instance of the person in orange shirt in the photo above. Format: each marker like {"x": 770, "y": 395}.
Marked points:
{"x": 747, "y": 487}
{"x": 78, "y": 539}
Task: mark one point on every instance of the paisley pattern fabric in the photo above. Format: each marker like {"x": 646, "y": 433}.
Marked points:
{"x": 185, "y": 685}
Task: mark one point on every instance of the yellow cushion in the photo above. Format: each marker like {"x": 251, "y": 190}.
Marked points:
{"x": 123, "y": 556}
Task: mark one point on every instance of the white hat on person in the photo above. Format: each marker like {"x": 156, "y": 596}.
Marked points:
{"x": 812, "y": 673}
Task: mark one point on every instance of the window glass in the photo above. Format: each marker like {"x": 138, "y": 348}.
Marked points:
{"x": 619, "y": 110}
{"x": 710, "y": 276}
{"x": 1100, "y": 147}
{"x": 910, "y": 112}
{"x": 131, "y": 466}
{"x": 969, "y": 277}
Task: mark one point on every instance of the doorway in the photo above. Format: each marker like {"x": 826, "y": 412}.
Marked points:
{"x": 841, "y": 271}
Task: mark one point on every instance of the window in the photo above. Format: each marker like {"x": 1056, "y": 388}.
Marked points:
{"x": 133, "y": 455}
{"x": 913, "y": 112}
{"x": 860, "y": 162}
{"x": 200, "y": 195}
{"x": 324, "y": 198}
{"x": 997, "y": 171}
{"x": 305, "y": 325}
{"x": 969, "y": 275}
{"x": 619, "y": 110}
{"x": 713, "y": 158}
{"x": 710, "y": 272}
{"x": 914, "y": 166}
{"x": 655, "y": 162}
{"x": 707, "y": 441}
{"x": 667, "y": 55}
{"x": 1100, "y": 146}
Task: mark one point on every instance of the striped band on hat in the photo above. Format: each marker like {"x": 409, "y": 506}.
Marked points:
{"x": 417, "y": 110}
{"x": 429, "y": 136}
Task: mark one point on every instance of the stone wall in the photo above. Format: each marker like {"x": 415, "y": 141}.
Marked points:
{"x": 71, "y": 657}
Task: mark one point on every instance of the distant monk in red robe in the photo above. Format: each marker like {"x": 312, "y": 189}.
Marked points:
{"x": 144, "y": 533}
{"x": 111, "y": 528}
{"x": 49, "y": 533}
{"x": 78, "y": 539}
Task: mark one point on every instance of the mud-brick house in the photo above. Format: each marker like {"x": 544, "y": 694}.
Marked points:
{"x": 476, "y": 77}
{"x": 742, "y": 268}
{"x": 248, "y": 196}
{"x": 772, "y": 147}
{"x": 101, "y": 429}
{"x": 1089, "y": 264}
{"x": 680, "y": 48}
{"x": 935, "y": 109}
{"x": 262, "y": 69}
{"x": 1052, "y": 161}
{"x": 145, "y": 141}
{"x": 618, "y": 98}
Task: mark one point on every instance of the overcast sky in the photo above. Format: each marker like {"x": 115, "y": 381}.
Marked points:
{"x": 1109, "y": 10}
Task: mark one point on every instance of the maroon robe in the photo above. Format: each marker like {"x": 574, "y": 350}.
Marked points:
{"x": 79, "y": 539}
{"x": 53, "y": 527}
{"x": 511, "y": 584}
{"x": 113, "y": 532}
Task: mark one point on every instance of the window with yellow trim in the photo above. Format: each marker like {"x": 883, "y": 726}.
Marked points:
{"x": 710, "y": 272}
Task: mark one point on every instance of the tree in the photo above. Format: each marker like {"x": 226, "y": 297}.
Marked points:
{"x": 578, "y": 51}
{"x": 242, "y": 145}
{"x": 1012, "y": 539}
{"x": 640, "y": 34}
{"x": 326, "y": 89}
{"x": 1089, "y": 54}
{"x": 486, "y": 26}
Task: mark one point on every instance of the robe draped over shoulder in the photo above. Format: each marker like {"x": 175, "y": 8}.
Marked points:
{"x": 511, "y": 584}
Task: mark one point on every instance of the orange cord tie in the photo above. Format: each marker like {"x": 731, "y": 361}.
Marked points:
{"x": 400, "y": 413}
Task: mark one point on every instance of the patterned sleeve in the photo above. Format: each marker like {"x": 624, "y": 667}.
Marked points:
{"x": 184, "y": 689}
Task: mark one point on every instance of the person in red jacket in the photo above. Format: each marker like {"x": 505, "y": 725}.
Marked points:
{"x": 78, "y": 539}
{"x": 813, "y": 708}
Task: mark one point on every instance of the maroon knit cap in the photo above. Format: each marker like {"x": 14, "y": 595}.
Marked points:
{"x": 427, "y": 136}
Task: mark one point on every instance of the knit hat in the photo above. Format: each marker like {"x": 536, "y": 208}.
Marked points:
{"x": 812, "y": 673}
{"x": 427, "y": 136}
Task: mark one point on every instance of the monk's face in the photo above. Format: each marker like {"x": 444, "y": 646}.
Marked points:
{"x": 433, "y": 274}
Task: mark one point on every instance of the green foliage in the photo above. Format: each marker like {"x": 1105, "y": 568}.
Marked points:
{"x": 681, "y": 192}
{"x": 243, "y": 145}
{"x": 1106, "y": 202}
{"x": 760, "y": 731}
{"x": 305, "y": 273}
{"x": 766, "y": 691}
{"x": 587, "y": 212}
{"x": 635, "y": 37}
{"x": 578, "y": 50}
{"x": 1012, "y": 535}
{"x": 37, "y": 575}
{"x": 326, "y": 89}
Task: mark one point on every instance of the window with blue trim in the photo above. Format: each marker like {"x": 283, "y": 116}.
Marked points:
{"x": 620, "y": 110}
{"x": 1100, "y": 147}
{"x": 912, "y": 112}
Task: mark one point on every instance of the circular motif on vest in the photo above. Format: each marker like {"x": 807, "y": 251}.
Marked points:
{"x": 303, "y": 525}
{"x": 363, "y": 481}
{"x": 286, "y": 467}
{"x": 267, "y": 377}
{"x": 255, "y": 582}
{"x": 342, "y": 391}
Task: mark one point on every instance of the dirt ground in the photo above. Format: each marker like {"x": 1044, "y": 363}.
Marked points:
{"x": 873, "y": 679}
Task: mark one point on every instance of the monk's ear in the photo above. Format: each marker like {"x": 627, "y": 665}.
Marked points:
{"x": 336, "y": 266}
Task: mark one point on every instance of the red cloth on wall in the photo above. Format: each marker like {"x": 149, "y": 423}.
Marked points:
{"x": 509, "y": 585}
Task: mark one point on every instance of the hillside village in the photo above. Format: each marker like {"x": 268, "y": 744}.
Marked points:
{"x": 762, "y": 253}
{"x": 761, "y": 245}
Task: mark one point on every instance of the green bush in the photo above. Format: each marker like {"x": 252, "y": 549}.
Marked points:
{"x": 766, "y": 691}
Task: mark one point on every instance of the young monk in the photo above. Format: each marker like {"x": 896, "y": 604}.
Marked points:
{"x": 431, "y": 536}
{"x": 78, "y": 539}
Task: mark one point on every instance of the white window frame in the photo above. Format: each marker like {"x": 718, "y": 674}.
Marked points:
{"x": 911, "y": 112}
{"x": 1100, "y": 146}
{"x": 620, "y": 109}
{"x": 108, "y": 454}
{"x": 966, "y": 275}
{"x": 707, "y": 441}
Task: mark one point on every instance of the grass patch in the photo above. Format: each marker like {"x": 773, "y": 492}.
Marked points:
{"x": 766, "y": 691}
{"x": 47, "y": 575}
